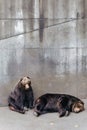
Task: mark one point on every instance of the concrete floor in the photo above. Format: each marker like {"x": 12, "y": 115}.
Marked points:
{"x": 10, "y": 120}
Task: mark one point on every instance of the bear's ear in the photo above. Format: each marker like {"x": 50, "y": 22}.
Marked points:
{"x": 21, "y": 79}
{"x": 30, "y": 83}
{"x": 28, "y": 77}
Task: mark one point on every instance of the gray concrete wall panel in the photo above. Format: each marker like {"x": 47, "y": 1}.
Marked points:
{"x": 46, "y": 40}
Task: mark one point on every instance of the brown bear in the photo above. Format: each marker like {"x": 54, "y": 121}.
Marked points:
{"x": 62, "y": 103}
{"x": 22, "y": 96}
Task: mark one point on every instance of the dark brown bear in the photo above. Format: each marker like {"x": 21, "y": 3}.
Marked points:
{"x": 62, "y": 103}
{"x": 22, "y": 96}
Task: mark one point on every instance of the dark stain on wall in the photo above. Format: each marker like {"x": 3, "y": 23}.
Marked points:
{"x": 12, "y": 8}
{"x": 41, "y": 20}
{"x": 28, "y": 12}
{"x": 84, "y": 22}
{"x": 84, "y": 9}
{"x": 31, "y": 10}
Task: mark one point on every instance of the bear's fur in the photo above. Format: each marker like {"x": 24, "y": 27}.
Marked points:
{"x": 62, "y": 103}
{"x": 22, "y": 96}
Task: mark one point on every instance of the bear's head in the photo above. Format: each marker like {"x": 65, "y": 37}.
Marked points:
{"x": 26, "y": 82}
{"x": 78, "y": 107}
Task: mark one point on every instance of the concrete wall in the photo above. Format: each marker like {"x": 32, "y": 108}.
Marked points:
{"x": 46, "y": 40}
